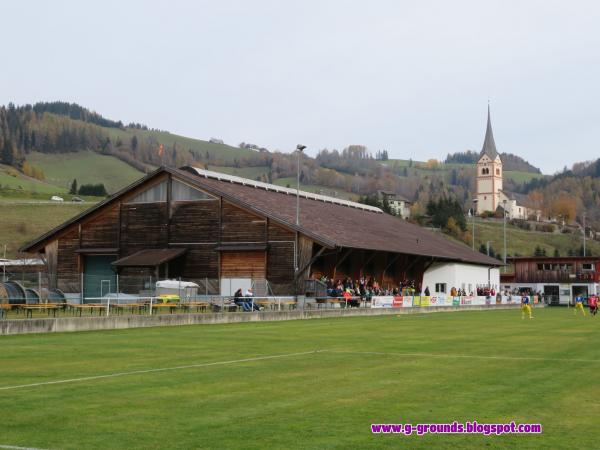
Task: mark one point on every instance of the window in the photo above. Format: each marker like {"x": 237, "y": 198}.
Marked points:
{"x": 440, "y": 288}
{"x": 497, "y": 171}
{"x": 157, "y": 193}
{"x": 184, "y": 192}
{"x": 540, "y": 267}
{"x": 587, "y": 266}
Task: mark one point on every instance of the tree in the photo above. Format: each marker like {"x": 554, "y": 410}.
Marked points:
{"x": 73, "y": 190}
{"x": 96, "y": 190}
{"x": 134, "y": 143}
{"x": 556, "y": 253}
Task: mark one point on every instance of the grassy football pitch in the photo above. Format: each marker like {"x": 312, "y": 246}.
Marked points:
{"x": 305, "y": 384}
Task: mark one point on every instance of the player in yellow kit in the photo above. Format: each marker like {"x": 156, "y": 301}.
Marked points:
{"x": 579, "y": 305}
{"x": 525, "y": 307}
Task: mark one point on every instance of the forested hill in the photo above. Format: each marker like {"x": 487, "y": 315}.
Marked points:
{"x": 31, "y": 135}
{"x": 509, "y": 161}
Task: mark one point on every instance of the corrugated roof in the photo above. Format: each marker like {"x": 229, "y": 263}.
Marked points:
{"x": 331, "y": 224}
{"x": 343, "y": 226}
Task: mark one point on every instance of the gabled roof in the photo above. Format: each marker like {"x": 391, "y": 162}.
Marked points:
{"x": 332, "y": 224}
{"x": 489, "y": 146}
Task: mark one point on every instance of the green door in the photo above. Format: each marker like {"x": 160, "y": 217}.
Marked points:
{"x": 99, "y": 277}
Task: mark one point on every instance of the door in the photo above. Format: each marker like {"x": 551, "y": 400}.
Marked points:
{"x": 578, "y": 290}
{"x": 99, "y": 277}
{"x": 552, "y": 294}
{"x": 241, "y": 269}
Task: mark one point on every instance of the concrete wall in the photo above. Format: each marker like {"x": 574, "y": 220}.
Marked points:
{"x": 67, "y": 324}
{"x": 460, "y": 276}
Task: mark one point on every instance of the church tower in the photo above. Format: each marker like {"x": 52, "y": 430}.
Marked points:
{"x": 489, "y": 173}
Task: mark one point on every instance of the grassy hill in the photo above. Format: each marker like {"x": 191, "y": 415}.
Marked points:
{"x": 421, "y": 168}
{"x": 22, "y": 222}
{"x": 86, "y": 167}
{"x": 224, "y": 152}
{"x": 521, "y": 242}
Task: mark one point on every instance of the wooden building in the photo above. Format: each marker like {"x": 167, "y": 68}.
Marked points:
{"x": 196, "y": 224}
{"x": 559, "y": 278}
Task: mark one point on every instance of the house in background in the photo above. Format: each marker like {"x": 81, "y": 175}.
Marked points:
{"x": 399, "y": 205}
{"x": 560, "y": 279}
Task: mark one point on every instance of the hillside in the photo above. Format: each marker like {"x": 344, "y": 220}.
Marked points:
{"x": 87, "y": 168}
{"x": 524, "y": 243}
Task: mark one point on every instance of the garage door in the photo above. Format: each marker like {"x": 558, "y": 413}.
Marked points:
{"x": 99, "y": 277}
{"x": 247, "y": 264}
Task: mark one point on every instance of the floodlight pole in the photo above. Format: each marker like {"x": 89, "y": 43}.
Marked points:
{"x": 299, "y": 149}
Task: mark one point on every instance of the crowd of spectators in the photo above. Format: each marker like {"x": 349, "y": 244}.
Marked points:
{"x": 365, "y": 288}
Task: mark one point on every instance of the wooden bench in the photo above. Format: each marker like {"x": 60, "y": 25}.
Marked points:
{"x": 172, "y": 306}
{"x": 89, "y": 306}
{"x": 133, "y": 307}
{"x": 40, "y": 307}
{"x": 198, "y": 305}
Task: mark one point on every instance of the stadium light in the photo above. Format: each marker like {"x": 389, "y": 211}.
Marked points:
{"x": 299, "y": 149}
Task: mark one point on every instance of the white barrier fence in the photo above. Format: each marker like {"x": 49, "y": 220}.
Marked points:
{"x": 399, "y": 301}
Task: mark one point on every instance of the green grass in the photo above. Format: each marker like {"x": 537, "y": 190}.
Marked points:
{"x": 223, "y": 152}
{"x": 524, "y": 242}
{"x": 15, "y": 184}
{"x": 317, "y": 400}
{"x": 245, "y": 172}
{"x": 521, "y": 177}
{"x": 317, "y": 189}
{"x": 21, "y": 222}
{"x": 87, "y": 167}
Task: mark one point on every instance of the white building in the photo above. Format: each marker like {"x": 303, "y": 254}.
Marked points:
{"x": 399, "y": 205}
{"x": 441, "y": 277}
{"x": 490, "y": 192}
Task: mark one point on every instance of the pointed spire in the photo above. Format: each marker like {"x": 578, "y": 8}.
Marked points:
{"x": 489, "y": 146}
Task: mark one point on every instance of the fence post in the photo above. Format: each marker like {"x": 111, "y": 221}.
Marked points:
{"x": 206, "y": 286}
{"x": 118, "y": 289}
{"x": 150, "y": 313}
{"x": 107, "y": 306}
{"x": 81, "y": 300}
{"x": 40, "y": 285}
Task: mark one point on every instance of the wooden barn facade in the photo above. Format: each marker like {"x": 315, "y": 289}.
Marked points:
{"x": 198, "y": 225}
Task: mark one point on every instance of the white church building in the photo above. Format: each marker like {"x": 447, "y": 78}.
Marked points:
{"x": 490, "y": 193}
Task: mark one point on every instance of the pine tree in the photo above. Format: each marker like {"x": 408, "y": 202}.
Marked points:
{"x": 73, "y": 190}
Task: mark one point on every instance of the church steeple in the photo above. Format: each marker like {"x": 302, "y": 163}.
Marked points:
{"x": 489, "y": 146}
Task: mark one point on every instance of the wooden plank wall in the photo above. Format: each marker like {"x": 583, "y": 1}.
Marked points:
{"x": 239, "y": 226}
{"x": 68, "y": 279}
{"x": 246, "y": 264}
{"x": 280, "y": 256}
{"x": 102, "y": 230}
{"x": 143, "y": 225}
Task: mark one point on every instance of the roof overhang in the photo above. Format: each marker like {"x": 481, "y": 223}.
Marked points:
{"x": 150, "y": 257}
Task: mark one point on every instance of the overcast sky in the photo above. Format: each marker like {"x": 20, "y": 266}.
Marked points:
{"x": 412, "y": 77}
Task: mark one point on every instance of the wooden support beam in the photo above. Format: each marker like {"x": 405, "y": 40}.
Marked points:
{"x": 311, "y": 262}
{"x": 341, "y": 260}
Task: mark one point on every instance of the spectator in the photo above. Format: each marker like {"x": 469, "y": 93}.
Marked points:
{"x": 427, "y": 294}
{"x": 238, "y": 299}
